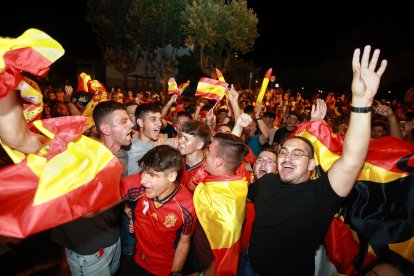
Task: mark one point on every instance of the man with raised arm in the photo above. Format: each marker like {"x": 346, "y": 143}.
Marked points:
{"x": 293, "y": 212}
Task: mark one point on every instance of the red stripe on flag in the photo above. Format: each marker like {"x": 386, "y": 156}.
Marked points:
{"x": 211, "y": 89}
{"x": 20, "y": 218}
{"x": 226, "y": 260}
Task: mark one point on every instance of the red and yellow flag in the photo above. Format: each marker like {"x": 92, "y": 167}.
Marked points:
{"x": 172, "y": 87}
{"x": 211, "y": 89}
{"x": 183, "y": 86}
{"x": 174, "y": 90}
{"x": 85, "y": 83}
{"x": 32, "y": 52}
{"x": 32, "y": 99}
{"x": 263, "y": 88}
{"x": 220, "y": 203}
{"x": 71, "y": 176}
{"x": 376, "y": 215}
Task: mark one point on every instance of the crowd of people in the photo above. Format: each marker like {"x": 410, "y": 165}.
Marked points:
{"x": 216, "y": 188}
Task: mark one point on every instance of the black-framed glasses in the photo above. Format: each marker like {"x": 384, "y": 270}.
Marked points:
{"x": 295, "y": 154}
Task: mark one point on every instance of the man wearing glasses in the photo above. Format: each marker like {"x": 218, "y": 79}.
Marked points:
{"x": 293, "y": 212}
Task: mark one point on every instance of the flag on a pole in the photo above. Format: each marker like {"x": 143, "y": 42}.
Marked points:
{"x": 183, "y": 86}
{"x": 86, "y": 84}
{"x": 211, "y": 89}
{"x": 219, "y": 75}
{"x": 263, "y": 88}
{"x": 172, "y": 87}
{"x": 377, "y": 214}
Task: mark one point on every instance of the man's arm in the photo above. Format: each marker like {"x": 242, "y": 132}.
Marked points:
{"x": 181, "y": 253}
{"x": 394, "y": 125}
{"x": 365, "y": 83}
{"x": 264, "y": 130}
{"x": 14, "y": 131}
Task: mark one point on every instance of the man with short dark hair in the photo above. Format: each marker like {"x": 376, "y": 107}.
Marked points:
{"x": 293, "y": 212}
{"x": 92, "y": 243}
{"x": 164, "y": 214}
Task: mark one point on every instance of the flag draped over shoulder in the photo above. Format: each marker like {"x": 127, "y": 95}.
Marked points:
{"x": 211, "y": 89}
{"x": 33, "y": 52}
{"x": 71, "y": 176}
{"x": 378, "y": 214}
{"x": 220, "y": 203}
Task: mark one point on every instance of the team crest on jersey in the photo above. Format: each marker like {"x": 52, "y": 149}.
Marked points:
{"x": 170, "y": 220}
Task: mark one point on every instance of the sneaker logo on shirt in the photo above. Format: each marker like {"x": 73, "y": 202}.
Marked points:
{"x": 146, "y": 206}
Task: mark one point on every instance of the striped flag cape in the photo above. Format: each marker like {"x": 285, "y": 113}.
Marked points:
{"x": 32, "y": 52}
{"x": 378, "y": 214}
{"x": 70, "y": 177}
{"x": 220, "y": 203}
{"x": 211, "y": 89}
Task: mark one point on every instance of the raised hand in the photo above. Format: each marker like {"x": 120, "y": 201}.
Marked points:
{"x": 366, "y": 78}
{"x": 318, "y": 110}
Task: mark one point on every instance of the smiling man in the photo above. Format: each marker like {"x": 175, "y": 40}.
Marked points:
{"x": 293, "y": 212}
{"x": 148, "y": 118}
{"x": 194, "y": 138}
{"x": 164, "y": 214}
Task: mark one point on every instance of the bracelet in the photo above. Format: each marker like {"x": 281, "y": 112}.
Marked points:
{"x": 365, "y": 109}
{"x": 257, "y": 119}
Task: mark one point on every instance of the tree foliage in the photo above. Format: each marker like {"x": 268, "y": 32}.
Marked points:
{"x": 133, "y": 31}
{"x": 113, "y": 27}
{"x": 218, "y": 29}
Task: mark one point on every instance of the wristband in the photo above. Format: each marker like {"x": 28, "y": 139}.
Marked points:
{"x": 257, "y": 119}
{"x": 365, "y": 109}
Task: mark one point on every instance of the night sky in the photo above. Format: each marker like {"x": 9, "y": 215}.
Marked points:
{"x": 307, "y": 44}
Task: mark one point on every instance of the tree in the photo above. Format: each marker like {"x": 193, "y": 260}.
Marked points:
{"x": 113, "y": 27}
{"x": 160, "y": 23}
{"x": 218, "y": 29}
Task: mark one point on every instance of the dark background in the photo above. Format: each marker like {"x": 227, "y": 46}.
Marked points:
{"x": 308, "y": 44}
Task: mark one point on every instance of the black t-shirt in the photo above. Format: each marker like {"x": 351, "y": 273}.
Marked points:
{"x": 87, "y": 235}
{"x": 290, "y": 223}
{"x": 280, "y": 135}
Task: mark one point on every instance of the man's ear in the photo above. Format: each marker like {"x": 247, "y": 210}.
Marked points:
{"x": 105, "y": 129}
{"x": 219, "y": 162}
{"x": 172, "y": 176}
{"x": 140, "y": 123}
{"x": 200, "y": 145}
{"x": 312, "y": 165}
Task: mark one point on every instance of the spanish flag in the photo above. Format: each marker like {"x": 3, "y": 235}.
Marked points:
{"x": 211, "y": 89}
{"x": 220, "y": 203}
{"x": 183, "y": 86}
{"x": 85, "y": 83}
{"x": 378, "y": 214}
{"x": 71, "y": 176}
{"x": 32, "y": 52}
{"x": 172, "y": 87}
{"x": 32, "y": 99}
